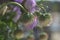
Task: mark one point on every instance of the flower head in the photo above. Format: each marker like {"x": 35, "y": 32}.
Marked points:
{"x": 33, "y": 24}
{"x": 18, "y": 13}
{"x": 30, "y": 5}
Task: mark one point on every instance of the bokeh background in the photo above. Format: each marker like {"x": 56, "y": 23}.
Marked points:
{"x": 54, "y": 9}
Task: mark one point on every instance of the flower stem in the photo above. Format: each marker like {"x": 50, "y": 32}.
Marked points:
{"x": 17, "y": 4}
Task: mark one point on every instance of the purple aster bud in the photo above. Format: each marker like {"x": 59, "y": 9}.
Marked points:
{"x": 20, "y": 1}
{"x": 33, "y": 24}
{"x": 30, "y": 5}
{"x": 18, "y": 13}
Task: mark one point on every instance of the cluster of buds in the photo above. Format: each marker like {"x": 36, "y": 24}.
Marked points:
{"x": 28, "y": 19}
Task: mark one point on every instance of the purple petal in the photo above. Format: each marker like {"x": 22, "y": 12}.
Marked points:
{"x": 30, "y": 5}
{"x": 18, "y": 13}
{"x": 20, "y": 1}
{"x": 32, "y": 10}
{"x": 34, "y": 23}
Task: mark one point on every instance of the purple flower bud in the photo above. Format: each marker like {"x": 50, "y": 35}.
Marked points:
{"x": 18, "y": 13}
{"x": 33, "y": 24}
{"x": 30, "y": 5}
{"x": 20, "y": 1}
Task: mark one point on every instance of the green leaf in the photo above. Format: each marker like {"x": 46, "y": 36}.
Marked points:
{"x": 8, "y": 17}
{"x": 1, "y": 37}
